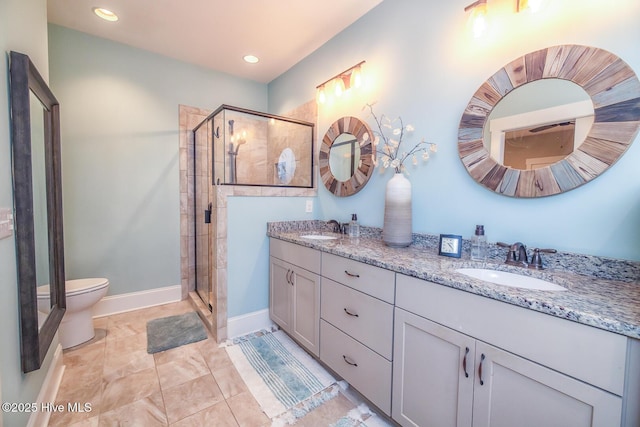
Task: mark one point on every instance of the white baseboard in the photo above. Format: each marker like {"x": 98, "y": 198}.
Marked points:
{"x": 49, "y": 390}
{"x": 247, "y": 323}
{"x": 115, "y": 304}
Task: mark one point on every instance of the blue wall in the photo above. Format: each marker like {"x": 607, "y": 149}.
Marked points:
{"x": 23, "y": 28}
{"x": 424, "y": 65}
{"x": 119, "y": 112}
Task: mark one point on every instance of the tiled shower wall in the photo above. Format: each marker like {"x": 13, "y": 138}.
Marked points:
{"x": 189, "y": 118}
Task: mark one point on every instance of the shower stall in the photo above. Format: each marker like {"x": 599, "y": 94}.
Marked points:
{"x": 240, "y": 147}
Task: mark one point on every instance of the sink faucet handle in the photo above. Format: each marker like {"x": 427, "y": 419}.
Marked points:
{"x": 536, "y": 259}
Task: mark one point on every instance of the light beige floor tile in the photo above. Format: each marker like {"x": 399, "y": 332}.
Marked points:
{"x": 191, "y": 397}
{"x": 126, "y": 363}
{"x": 178, "y": 353}
{"x": 124, "y": 390}
{"x": 219, "y": 415}
{"x": 126, "y": 343}
{"x": 81, "y": 384}
{"x": 216, "y": 358}
{"x": 117, "y": 330}
{"x": 147, "y": 412}
{"x": 123, "y": 383}
{"x": 91, "y": 355}
{"x": 247, "y": 411}
{"x": 229, "y": 381}
{"x": 89, "y": 422}
{"x": 180, "y": 371}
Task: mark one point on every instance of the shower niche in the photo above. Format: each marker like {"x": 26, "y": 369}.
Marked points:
{"x": 257, "y": 149}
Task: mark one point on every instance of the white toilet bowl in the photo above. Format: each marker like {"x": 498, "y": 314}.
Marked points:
{"x": 82, "y": 294}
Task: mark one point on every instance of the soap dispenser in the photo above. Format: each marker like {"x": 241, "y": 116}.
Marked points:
{"x": 354, "y": 227}
{"x": 479, "y": 247}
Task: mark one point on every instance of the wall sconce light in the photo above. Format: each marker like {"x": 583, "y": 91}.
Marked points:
{"x": 531, "y": 5}
{"x": 478, "y": 18}
{"x": 340, "y": 83}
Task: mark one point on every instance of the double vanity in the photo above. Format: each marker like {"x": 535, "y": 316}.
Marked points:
{"x": 430, "y": 341}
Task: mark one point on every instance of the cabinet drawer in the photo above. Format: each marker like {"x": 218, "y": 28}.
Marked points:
{"x": 371, "y": 280}
{"x": 361, "y": 367}
{"x": 367, "y": 319}
{"x": 304, "y": 257}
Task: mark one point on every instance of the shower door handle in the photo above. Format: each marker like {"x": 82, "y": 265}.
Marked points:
{"x": 207, "y": 215}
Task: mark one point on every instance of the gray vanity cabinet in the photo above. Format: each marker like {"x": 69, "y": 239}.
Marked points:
{"x": 430, "y": 387}
{"x": 356, "y": 325}
{"x": 444, "y": 375}
{"x": 294, "y": 292}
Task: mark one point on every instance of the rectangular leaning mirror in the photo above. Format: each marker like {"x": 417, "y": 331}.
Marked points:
{"x": 37, "y": 189}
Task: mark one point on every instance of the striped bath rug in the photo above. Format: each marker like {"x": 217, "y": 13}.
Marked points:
{"x": 285, "y": 380}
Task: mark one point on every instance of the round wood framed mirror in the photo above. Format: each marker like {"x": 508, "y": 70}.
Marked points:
{"x": 610, "y": 85}
{"x": 345, "y": 156}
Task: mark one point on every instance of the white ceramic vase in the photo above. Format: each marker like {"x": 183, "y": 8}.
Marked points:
{"x": 396, "y": 231}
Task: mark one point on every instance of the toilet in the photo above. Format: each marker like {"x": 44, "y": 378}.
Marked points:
{"x": 82, "y": 294}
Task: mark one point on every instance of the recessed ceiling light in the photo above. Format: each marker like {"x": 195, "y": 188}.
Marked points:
{"x": 251, "y": 59}
{"x": 105, "y": 14}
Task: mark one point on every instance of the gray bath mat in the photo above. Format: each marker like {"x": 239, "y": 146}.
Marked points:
{"x": 173, "y": 331}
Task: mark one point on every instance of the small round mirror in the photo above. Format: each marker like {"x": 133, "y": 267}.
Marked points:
{"x": 346, "y": 156}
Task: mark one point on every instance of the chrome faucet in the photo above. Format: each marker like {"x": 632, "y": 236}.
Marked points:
{"x": 517, "y": 254}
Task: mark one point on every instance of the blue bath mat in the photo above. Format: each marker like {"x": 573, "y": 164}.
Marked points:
{"x": 173, "y": 331}
{"x": 284, "y": 379}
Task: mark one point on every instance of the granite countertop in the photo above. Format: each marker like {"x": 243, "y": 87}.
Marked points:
{"x": 607, "y": 302}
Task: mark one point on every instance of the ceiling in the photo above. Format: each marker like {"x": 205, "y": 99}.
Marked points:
{"x": 216, "y": 34}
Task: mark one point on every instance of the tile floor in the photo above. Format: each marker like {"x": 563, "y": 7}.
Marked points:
{"x": 192, "y": 385}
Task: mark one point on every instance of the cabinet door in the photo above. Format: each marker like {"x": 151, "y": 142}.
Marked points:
{"x": 306, "y": 309}
{"x": 431, "y": 386}
{"x": 280, "y": 292}
{"x": 512, "y": 391}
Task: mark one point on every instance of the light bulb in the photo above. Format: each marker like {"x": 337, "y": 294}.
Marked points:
{"x": 105, "y": 14}
{"x": 356, "y": 78}
{"x": 534, "y": 5}
{"x": 339, "y": 88}
{"x": 321, "y": 95}
{"x": 479, "y": 20}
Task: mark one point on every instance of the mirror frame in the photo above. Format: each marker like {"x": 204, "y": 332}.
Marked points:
{"x": 363, "y": 173}
{"x": 24, "y": 80}
{"x": 614, "y": 90}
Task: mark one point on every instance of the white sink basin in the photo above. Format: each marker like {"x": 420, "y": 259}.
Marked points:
{"x": 510, "y": 279}
{"x": 318, "y": 237}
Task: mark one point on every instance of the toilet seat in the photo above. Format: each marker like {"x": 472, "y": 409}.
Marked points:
{"x": 77, "y": 286}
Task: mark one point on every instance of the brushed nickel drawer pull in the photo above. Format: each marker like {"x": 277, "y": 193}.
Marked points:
{"x": 348, "y": 361}
{"x": 350, "y": 313}
{"x": 351, "y": 274}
